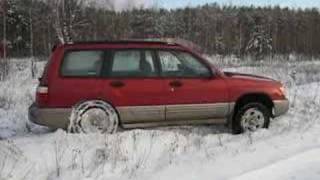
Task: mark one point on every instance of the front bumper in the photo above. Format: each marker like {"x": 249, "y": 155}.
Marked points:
{"x": 53, "y": 117}
{"x": 280, "y": 107}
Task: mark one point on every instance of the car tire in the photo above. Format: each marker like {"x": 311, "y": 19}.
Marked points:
{"x": 251, "y": 117}
{"x": 93, "y": 117}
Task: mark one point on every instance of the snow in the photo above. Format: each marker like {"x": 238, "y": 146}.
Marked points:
{"x": 304, "y": 165}
{"x": 288, "y": 150}
{"x": 16, "y": 94}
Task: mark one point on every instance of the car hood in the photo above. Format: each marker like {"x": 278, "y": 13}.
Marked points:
{"x": 247, "y": 76}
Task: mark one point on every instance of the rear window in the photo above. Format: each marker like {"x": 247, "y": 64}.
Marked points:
{"x": 82, "y": 63}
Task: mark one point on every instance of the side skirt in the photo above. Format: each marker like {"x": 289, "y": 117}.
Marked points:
{"x": 173, "y": 123}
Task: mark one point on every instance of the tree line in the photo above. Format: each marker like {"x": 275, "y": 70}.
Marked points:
{"x": 34, "y": 26}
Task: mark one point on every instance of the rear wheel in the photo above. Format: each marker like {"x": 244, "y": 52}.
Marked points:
{"x": 251, "y": 117}
{"x": 94, "y": 117}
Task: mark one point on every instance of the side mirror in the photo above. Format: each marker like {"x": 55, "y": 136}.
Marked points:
{"x": 213, "y": 73}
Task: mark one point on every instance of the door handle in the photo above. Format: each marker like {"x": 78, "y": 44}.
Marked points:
{"x": 175, "y": 84}
{"x": 117, "y": 84}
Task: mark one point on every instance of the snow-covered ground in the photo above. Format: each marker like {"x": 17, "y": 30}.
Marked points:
{"x": 288, "y": 150}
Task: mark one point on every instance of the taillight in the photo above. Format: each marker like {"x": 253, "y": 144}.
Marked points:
{"x": 44, "y": 79}
{"x": 42, "y": 96}
{"x": 42, "y": 90}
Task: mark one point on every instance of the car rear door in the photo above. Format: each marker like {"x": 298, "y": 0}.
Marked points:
{"x": 132, "y": 84}
{"x": 192, "y": 91}
{"x": 76, "y": 78}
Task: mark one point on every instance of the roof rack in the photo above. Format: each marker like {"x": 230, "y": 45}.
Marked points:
{"x": 164, "y": 41}
{"x": 173, "y": 41}
{"x": 125, "y": 41}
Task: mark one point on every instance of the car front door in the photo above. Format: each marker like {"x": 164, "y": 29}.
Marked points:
{"x": 133, "y": 86}
{"x": 192, "y": 91}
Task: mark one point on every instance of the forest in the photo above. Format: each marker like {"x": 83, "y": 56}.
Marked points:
{"x": 269, "y": 54}
{"x": 32, "y": 27}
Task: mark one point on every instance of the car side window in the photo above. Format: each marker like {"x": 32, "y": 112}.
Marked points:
{"x": 133, "y": 63}
{"x": 181, "y": 64}
{"x": 82, "y": 63}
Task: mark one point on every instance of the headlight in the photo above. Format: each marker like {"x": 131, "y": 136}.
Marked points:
{"x": 283, "y": 91}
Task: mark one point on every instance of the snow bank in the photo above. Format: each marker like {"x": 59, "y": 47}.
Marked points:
{"x": 16, "y": 94}
{"x": 302, "y": 166}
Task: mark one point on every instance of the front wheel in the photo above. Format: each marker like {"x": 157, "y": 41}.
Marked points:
{"x": 93, "y": 117}
{"x": 251, "y": 117}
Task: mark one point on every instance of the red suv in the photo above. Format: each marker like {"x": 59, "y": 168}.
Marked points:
{"x": 96, "y": 86}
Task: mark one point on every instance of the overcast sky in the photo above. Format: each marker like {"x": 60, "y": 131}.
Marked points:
{"x": 282, "y": 3}
{"x": 172, "y": 4}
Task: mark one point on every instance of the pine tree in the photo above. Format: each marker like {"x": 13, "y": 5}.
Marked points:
{"x": 260, "y": 43}
{"x": 142, "y": 24}
{"x": 3, "y": 44}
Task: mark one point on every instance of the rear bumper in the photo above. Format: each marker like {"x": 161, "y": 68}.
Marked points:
{"x": 280, "y": 107}
{"x": 53, "y": 117}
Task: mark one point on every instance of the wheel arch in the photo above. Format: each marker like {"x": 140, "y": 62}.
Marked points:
{"x": 258, "y": 97}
